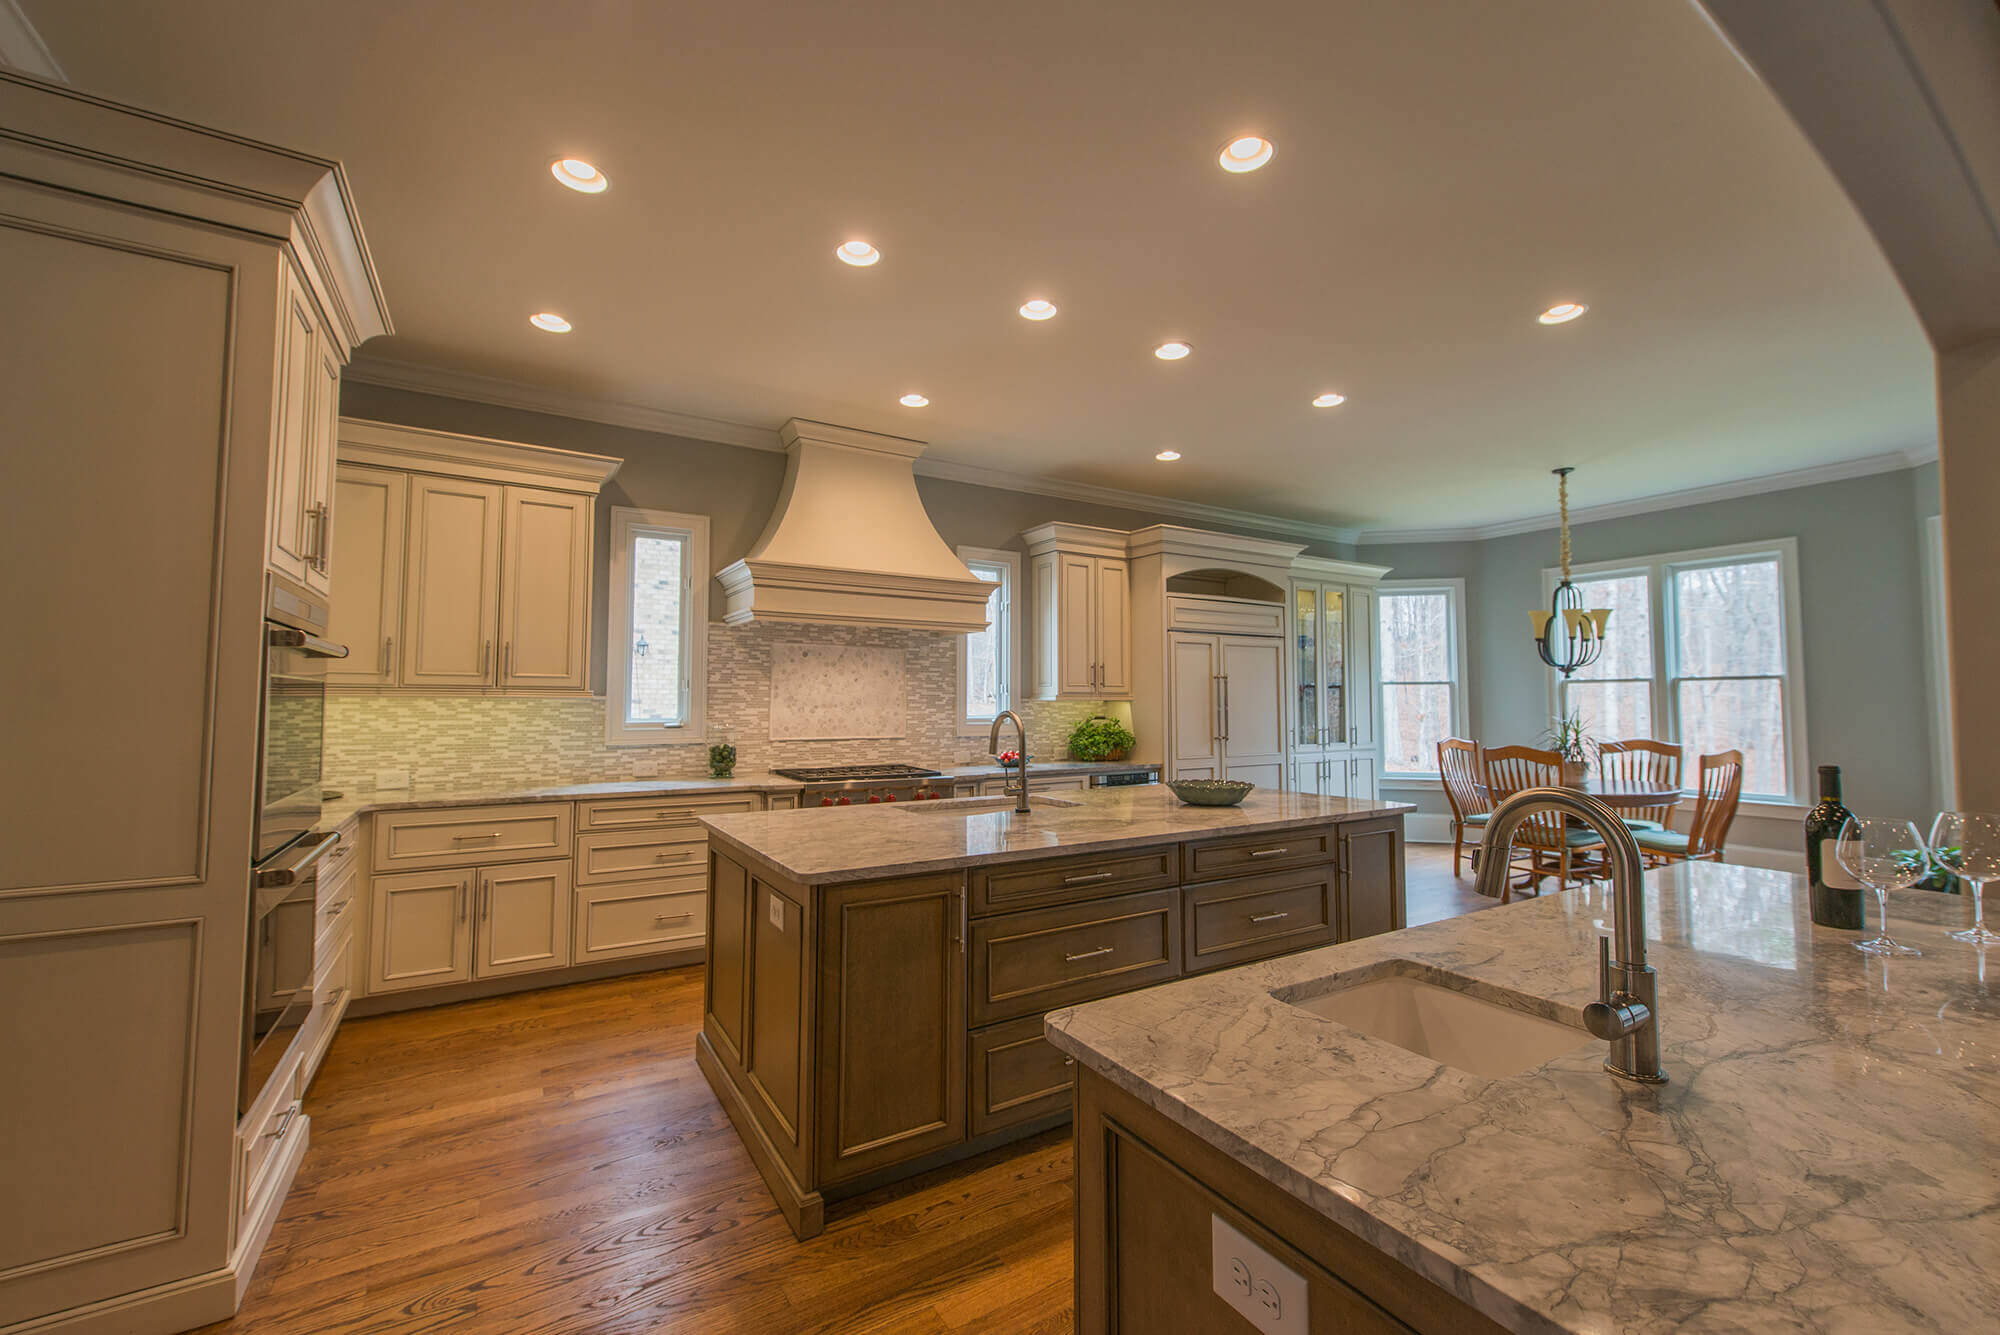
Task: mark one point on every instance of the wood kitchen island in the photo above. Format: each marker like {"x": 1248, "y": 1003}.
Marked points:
{"x": 877, "y": 977}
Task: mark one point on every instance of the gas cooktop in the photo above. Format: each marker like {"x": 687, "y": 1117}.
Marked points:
{"x": 856, "y": 773}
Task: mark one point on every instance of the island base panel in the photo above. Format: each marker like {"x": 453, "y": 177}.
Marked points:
{"x": 1146, "y": 1190}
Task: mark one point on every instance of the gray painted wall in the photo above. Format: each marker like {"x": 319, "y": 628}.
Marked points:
{"x": 1860, "y": 587}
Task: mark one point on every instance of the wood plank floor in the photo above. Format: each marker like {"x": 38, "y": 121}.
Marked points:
{"x": 552, "y": 1162}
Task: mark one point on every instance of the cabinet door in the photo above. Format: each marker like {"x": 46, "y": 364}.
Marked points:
{"x": 420, "y": 932}
{"x": 1111, "y": 623}
{"x": 524, "y": 918}
{"x": 1361, "y": 632}
{"x": 368, "y": 561}
{"x": 1306, "y": 727}
{"x": 1371, "y": 868}
{"x": 892, "y": 1044}
{"x": 1196, "y": 718}
{"x": 1333, "y": 665}
{"x": 451, "y": 577}
{"x": 544, "y": 589}
{"x": 1253, "y": 710}
{"x": 323, "y": 418}
{"x": 1076, "y": 652}
{"x": 291, "y": 522}
{"x": 1361, "y": 776}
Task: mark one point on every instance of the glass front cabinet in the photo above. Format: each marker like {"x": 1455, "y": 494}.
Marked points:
{"x": 1332, "y": 697}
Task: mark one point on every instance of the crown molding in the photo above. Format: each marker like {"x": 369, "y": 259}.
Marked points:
{"x": 1869, "y": 466}
{"x": 23, "y": 48}
{"x": 388, "y": 445}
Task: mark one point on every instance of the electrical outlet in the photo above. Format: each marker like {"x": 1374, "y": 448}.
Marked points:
{"x": 1266, "y": 1292}
{"x": 777, "y": 912}
{"x": 391, "y": 779}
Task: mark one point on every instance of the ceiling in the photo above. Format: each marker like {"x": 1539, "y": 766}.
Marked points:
{"x": 1444, "y": 171}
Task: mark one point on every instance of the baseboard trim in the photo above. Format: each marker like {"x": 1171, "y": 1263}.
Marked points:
{"x": 416, "y": 998}
{"x": 1422, "y": 827}
{"x": 804, "y": 1210}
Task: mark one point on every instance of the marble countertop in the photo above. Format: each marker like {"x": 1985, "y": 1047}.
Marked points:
{"x": 1823, "y": 1157}
{"x": 818, "y": 846}
{"x": 355, "y": 802}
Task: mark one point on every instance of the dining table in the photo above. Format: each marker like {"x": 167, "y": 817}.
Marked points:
{"x": 1617, "y": 794}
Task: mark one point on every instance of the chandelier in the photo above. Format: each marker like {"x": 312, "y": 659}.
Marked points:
{"x": 1581, "y": 637}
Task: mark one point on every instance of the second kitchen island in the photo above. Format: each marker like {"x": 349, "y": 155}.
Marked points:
{"x": 876, "y": 976}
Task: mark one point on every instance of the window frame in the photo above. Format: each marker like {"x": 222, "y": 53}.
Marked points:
{"x": 628, "y": 523}
{"x": 1009, "y": 563}
{"x": 1461, "y": 719}
{"x": 1665, "y": 698}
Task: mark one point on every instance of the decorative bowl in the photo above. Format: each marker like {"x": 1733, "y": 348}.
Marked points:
{"x": 1210, "y": 792}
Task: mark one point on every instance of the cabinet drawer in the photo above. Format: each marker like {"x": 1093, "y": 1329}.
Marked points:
{"x": 336, "y": 913}
{"x": 471, "y": 836}
{"x": 640, "y": 918}
{"x": 1243, "y": 854}
{"x": 606, "y": 856}
{"x": 265, "y": 1133}
{"x": 625, "y": 813}
{"x": 1233, "y": 922}
{"x": 336, "y": 869}
{"x": 1017, "y": 1075}
{"x": 1063, "y": 880}
{"x": 1032, "y": 962}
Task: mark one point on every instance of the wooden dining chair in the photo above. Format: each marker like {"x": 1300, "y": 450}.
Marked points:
{"x": 1645, "y": 763}
{"x": 1715, "y": 803}
{"x": 1458, "y": 764}
{"x": 1547, "y": 838}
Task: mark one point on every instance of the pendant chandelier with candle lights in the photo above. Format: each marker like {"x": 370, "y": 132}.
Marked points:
{"x": 1568, "y": 636}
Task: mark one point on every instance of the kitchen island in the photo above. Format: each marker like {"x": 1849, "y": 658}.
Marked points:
{"x": 1822, "y": 1157}
{"x": 877, "y": 976}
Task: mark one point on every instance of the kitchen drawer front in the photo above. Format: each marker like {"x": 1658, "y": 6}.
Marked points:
{"x": 1021, "y": 885}
{"x": 1244, "y": 855}
{"x": 1017, "y": 1075}
{"x": 261, "y": 1137}
{"x": 627, "y": 813}
{"x": 336, "y": 915}
{"x": 604, "y": 857}
{"x": 471, "y": 836}
{"x": 641, "y": 917}
{"x": 1032, "y": 962}
{"x": 336, "y": 870}
{"x": 1234, "y": 922}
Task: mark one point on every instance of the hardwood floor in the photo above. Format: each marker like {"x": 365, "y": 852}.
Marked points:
{"x": 552, "y": 1162}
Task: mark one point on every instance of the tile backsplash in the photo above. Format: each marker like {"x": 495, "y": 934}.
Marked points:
{"x": 477, "y": 741}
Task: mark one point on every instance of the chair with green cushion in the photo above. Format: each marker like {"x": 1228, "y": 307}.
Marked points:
{"x": 1643, "y": 762}
{"x": 1715, "y": 805}
{"x": 1547, "y": 838}
{"x": 1458, "y": 765}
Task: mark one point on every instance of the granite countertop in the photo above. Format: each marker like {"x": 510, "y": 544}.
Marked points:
{"x": 818, "y": 846}
{"x": 1823, "y": 1157}
{"x": 355, "y": 802}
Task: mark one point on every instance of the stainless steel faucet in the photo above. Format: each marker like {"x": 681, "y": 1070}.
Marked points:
{"x": 1626, "y": 1014}
{"x": 993, "y": 745}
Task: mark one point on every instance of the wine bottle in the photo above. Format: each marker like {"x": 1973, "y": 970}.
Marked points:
{"x": 1836, "y": 895}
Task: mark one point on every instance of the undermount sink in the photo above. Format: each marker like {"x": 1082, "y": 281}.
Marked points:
{"x": 1450, "y": 1027}
{"x": 968, "y": 806}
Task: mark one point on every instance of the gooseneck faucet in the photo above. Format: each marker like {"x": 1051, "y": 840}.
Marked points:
{"x": 993, "y": 745}
{"x": 1627, "y": 1012}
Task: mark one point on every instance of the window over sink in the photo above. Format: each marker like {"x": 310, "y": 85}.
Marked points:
{"x": 655, "y": 674}
{"x": 988, "y": 660}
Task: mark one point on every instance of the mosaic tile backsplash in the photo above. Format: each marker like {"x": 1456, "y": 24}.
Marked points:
{"x": 478, "y": 741}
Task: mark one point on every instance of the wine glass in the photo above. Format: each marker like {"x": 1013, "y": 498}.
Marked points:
{"x": 1869, "y": 850}
{"x": 1967, "y": 844}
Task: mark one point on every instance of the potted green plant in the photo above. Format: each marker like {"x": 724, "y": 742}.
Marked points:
{"x": 1100, "y": 738}
{"x": 1567, "y": 738}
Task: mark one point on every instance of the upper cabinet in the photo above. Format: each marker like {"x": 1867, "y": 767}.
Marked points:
{"x": 469, "y": 562}
{"x": 1082, "y": 613}
{"x": 1333, "y": 696}
{"x": 305, "y": 392}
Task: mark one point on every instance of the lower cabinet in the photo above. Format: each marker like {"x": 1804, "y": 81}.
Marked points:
{"x": 1017, "y": 1075}
{"x": 524, "y": 918}
{"x": 459, "y": 923}
{"x": 639, "y": 918}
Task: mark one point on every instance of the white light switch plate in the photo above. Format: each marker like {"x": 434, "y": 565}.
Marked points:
{"x": 1268, "y": 1294}
{"x": 392, "y": 779}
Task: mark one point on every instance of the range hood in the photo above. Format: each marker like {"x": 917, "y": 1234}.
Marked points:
{"x": 850, "y": 544}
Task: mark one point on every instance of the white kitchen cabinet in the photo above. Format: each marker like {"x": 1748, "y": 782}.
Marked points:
{"x": 451, "y": 582}
{"x": 298, "y": 515}
{"x": 1081, "y": 604}
{"x": 1333, "y": 697}
{"x": 420, "y": 929}
{"x": 368, "y": 563}
{"x": 523, "y": 921}
{"x": 544, "y": 590}
{"x": 1227, "y": 719}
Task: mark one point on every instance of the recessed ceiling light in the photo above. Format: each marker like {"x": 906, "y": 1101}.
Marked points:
{"x": 1562, "y": 312}
{"x": 1246, "y": 154}
{"x": 1329, "y": 400}
{"x": 1172, "y": 352}
{"x": 1038, "y": 309}
{"x": 579, "y": 175}
{"x": 858, "y": 253}
{"x": 1167, "y": 456}
{"x": 551, "y": 322}
{"x": 914, "y": 401}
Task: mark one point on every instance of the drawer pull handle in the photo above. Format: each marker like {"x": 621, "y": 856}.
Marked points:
{"x": 337, "y": 910}
{"x": 1089, "y": 954}
{"x": 1270, "y": 917}
{"x": 1270, "y": 852}
{"x": 1093, "y": 876}
{"x": 669, "y": 857}
{"x": 284, "y": 1123}
{"x": 664, "y": 918}
{"x": 1069, "y": 1061}
{"x": 465, "y": 838}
